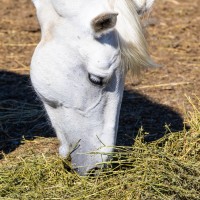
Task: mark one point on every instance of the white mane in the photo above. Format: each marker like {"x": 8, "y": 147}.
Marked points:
{"x": 133, "y": 44}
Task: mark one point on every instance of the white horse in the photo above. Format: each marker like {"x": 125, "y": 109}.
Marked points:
{"x": 78, "y": 70}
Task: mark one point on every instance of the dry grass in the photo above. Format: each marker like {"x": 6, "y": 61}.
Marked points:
{"x": 165, "y": 169}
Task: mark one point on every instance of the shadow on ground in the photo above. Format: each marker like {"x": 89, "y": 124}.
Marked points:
{"x": 21, "y": 114}
{"x": 23, "y": 117}
{"x": 138, "y": 112}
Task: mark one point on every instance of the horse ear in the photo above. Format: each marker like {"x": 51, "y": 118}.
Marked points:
{"x": 143, "y": 6}
{"x": 104, "y": 23}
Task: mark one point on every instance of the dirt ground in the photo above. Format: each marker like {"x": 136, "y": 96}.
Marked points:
{"x": 157, "y": 101}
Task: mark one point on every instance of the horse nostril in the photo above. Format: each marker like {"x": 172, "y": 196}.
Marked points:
{"x": 95, "y": 79}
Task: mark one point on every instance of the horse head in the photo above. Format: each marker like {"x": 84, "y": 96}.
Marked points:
{"x": 78, "y": 71}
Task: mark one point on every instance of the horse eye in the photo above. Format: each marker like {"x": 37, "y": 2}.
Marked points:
{"x": 95, "y": 79}
{"x": 104, "y": 22}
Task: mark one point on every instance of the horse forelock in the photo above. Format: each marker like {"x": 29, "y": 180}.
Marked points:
{"x": 133, "y": 46}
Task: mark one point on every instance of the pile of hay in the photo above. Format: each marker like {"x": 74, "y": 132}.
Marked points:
{"x": 165, "y": 169}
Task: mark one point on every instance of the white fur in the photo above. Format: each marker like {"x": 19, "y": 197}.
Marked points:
{"x": 85, "y": 116}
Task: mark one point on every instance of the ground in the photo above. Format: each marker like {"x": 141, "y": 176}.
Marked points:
{"x": 157, "y": 101}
